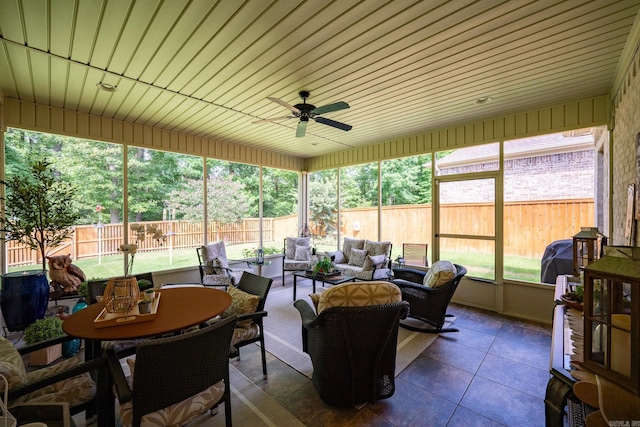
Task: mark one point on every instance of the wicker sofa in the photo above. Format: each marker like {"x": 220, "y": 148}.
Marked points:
{"x": 363, "y": 259}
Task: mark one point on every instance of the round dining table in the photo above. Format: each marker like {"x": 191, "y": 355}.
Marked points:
{"x": 178, "y": 308}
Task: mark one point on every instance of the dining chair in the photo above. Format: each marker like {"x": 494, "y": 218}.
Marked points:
{"x": 176, "y": 379}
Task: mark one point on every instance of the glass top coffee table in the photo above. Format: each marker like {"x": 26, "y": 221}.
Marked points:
{"x": 332, "y": 280}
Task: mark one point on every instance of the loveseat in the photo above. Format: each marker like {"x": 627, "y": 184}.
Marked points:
{"x": 363, "y": 259}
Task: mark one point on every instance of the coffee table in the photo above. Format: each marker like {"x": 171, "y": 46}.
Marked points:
{"x": 331, "y": 280}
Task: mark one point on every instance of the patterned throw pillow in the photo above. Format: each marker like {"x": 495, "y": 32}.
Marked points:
{"x": 379, "y": 261}
{"x": 377, "y": 248}
{"x": 357, "y": 257}
{"x": 338, "y": 257}
{"x": 358, "y": 295}
{"x": 439, "y": 274}
{"x": 11, "y": 365}
{"x": 291, "y": 243}
{"x": 241, "y": 303}
{"x": 303, "y": 253}
{"x": 349, "y": 244}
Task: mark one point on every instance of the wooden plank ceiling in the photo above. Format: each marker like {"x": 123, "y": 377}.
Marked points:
{"x": 206, "y": 67}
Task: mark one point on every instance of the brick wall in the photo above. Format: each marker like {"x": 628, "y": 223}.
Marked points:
{"x": 626, "y": 104}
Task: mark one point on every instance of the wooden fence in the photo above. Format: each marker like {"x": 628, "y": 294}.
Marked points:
{"x": 528, "y": 228}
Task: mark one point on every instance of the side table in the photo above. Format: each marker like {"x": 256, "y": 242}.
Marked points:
{"x": 259, "y": 265}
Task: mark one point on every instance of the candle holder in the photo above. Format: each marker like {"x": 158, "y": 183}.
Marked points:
{"x": 121, "y": 294}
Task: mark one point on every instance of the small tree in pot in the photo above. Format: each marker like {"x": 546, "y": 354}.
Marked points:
{"x": 39, "y": 209}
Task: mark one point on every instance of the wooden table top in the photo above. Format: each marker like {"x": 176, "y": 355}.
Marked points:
{"x": 179, "y": 308}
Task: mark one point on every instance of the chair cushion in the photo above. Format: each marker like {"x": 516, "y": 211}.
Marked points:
{"x": 215, "y": 250}
{"x": 357, "y": 257}
{"x": 179, "y": 413}
{"x": 439, "y": 274}
{"x": 11, "y": 364}
{"x": 377, "y": 248}
{"x": 349, "y": 244}
{"x": 379, "y": 261}
{"x": 241, "y": 303}
{"x": 76, "y": 391}
{"x": 338, "y": 257}
{"x": 291, "y": 243}
{"x": 303, "y": 253}
{"x": 358, "y": 295}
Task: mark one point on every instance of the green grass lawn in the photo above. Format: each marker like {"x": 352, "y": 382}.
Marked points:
{"x": 478, "y": 265}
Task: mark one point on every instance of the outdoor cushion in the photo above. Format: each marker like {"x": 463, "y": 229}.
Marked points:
{"x": 358, "y": 295}
{"x": 370, "y": 261}
{"x": 76, "y": 390}
{"x": 303, "y": 253}
{"x": 215, "y": 251}
{"x": 349, "y": 244}
{"x": 439, "y": 274}
{"x": 184, "y": 411}
{"x": 357, "y": 257}
{"x": 377, "y": 248}
{"x": 241, "y": 303}
{"x": 292, "y": 242}
{"x": 338, "y": 257}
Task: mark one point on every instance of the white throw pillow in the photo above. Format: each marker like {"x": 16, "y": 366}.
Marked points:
{"x": 303, "y": 253}
{"x": 439, "y": 274}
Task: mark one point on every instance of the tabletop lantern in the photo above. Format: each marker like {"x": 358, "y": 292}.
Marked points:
{"x": 612, "y": 316}
{"x": 587, "y": 245}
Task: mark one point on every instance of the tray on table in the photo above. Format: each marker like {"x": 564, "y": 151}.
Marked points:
{"x": 105, "y": 319}
{"x": 321, "y": 275}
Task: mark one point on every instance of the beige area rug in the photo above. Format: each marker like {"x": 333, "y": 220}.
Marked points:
{"x": 283, "y": 332}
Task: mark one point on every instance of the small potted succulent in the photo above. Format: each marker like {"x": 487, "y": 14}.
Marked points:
{"x": 42, "y": 330}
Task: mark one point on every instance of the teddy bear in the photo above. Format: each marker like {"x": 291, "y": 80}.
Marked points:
{"x": 64, "y": 275}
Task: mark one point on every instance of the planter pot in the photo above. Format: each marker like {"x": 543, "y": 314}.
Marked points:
{"x": 46, "y": 355}
{"x": 24, "y": 298}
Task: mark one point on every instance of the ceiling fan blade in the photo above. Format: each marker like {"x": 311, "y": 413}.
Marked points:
{"x": 273, "y": 119}
{"x": 302, "y": 128}
{"x": 333, "y": 123}
{"x": 284, "y": 104}
{"x": 336, "y": 106}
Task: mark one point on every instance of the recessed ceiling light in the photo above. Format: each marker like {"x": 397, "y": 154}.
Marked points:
{"x": 107, "y": 87}
{"x": 483, "y": 100}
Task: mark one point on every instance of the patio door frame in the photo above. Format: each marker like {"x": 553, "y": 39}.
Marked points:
{"x": 498, "y": 238}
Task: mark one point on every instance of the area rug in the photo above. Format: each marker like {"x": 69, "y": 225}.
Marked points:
{"x": 283, "y": 332}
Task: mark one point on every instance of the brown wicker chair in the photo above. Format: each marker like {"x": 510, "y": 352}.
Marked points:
{"x": 256, "y": 285}
{"x": 170, "y": 371}
{"x": 428, "y": 305}
{"x": 353, "y": 350}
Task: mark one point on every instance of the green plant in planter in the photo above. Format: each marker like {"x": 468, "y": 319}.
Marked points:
{"x": 43, "y": 329}
{"x": 323, "y": 266}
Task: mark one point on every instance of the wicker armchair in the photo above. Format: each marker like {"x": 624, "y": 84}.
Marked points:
{"x": 66, "y": 381}
{"x": 428, "y": 304}
{"x": 353, "y": 350}
{"x": 177, "y": 378}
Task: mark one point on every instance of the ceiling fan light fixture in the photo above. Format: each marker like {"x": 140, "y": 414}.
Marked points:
{"x": 106, "y": 87}
{"x": 483, "y": 100}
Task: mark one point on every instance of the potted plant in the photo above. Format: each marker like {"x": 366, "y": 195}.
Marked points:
{"x": 324, "y": 266}
{"x": 42, "y": 330}
{"x": 39, "y": 212}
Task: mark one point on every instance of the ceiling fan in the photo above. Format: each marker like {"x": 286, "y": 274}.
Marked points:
{"x": 306, "y": 111}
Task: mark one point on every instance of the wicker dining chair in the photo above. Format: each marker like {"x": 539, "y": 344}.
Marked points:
{"x": 250, "y": 327}
{"x": 176, "y": 378}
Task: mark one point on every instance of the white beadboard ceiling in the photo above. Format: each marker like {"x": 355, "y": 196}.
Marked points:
{"x": 206, "y": 67}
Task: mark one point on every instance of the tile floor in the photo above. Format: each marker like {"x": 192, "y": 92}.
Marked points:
{"x": 492, "y": 373}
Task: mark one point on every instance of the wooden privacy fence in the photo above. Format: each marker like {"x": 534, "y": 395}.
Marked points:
{"x": 528, "y": 228}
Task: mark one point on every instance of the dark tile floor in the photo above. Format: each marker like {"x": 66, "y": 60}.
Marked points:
{"x": 491, "y": 373}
